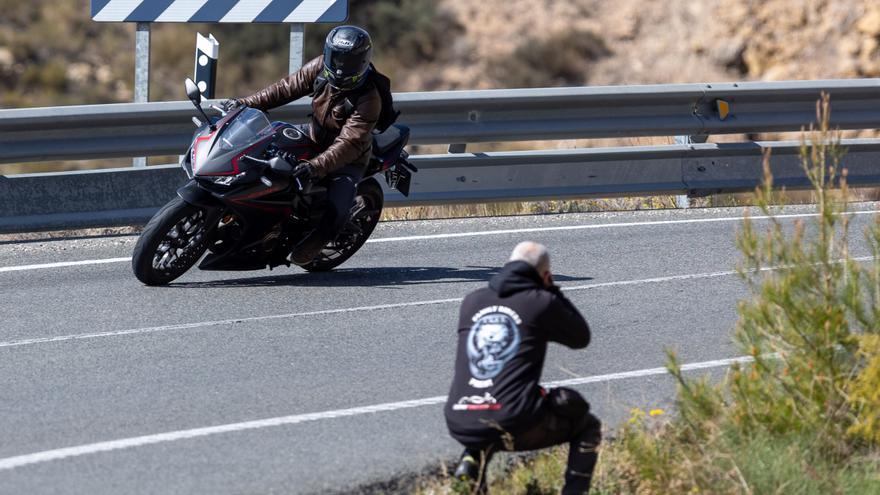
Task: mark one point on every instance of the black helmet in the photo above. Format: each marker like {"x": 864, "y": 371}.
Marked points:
{"x": 347, "y": 53}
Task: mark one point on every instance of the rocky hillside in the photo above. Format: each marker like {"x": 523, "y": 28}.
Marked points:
{"x": 632, "y": 41}
{"x": 52, "y": 53}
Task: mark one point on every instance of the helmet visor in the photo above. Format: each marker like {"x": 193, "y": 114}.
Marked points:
{"x": 343, "y": 64}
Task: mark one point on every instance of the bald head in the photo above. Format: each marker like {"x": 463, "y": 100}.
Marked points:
{"x": 534, "y": 254}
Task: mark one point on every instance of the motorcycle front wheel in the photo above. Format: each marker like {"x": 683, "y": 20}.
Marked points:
{"x": 171, "y": 243}
{"x": 369, "y": 201}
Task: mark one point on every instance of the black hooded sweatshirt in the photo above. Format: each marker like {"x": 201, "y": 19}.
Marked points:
{"x": 503, "y": 331}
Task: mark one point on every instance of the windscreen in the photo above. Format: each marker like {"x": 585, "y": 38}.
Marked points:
{"x": 249, "y": 127}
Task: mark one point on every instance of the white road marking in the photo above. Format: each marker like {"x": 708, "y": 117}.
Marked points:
{"x": 571, "y": 382}
{"x": 472, "y": 234}
{"x": 61, "y": 264}
{"x": 597, "y": 226}
{"x": 430, "y": 302}
{"x": 230, "y": 321}
{"x": 172, "y": 436}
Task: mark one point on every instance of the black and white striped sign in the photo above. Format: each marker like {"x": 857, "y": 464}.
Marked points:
{"x": 207, "y": 52}
{"x": 246, "y": 11}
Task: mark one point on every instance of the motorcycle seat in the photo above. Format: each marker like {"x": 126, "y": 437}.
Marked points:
{"x": 394, "y": 138}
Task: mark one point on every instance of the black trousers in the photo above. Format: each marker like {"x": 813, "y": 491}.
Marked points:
{"x": 574, "y": 425}
{"x": 341, "y": 188}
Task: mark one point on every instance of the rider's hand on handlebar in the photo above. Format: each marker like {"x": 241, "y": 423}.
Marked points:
{"x": 304, "y": 170}
{"x": 229, "y": 105}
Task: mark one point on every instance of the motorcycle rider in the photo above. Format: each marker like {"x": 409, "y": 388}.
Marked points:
{"x": 345, "y": 111}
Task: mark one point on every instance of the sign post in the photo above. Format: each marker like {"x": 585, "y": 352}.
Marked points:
{"x": 141, "y": 73}
{"x": 297, "y": 42}
{"x": 143, "y": 12}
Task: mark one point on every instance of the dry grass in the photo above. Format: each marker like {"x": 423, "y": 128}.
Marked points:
{"x": 529, "y": 208}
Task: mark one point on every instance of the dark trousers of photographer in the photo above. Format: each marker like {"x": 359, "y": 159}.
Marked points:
{"x": 565, "y": 418}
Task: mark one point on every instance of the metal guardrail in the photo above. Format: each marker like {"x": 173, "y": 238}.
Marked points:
{"x": 131, "y": 195}
{"x": 124, "y": 130}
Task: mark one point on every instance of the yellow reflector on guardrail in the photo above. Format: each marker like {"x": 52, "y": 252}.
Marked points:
{"x": 723, "y": 109}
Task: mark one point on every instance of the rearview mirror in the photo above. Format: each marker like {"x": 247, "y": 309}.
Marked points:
{"x": 195, "y": 96}
{"x": 192, "y": 91}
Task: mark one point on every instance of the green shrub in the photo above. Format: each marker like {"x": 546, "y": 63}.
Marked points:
{"x": 865, "y": 392}
{"x": 562, "y": 59}
{"x": 405, "y": 33}
{"x": 50, "y": 76}
{"x": 802, "y": 417}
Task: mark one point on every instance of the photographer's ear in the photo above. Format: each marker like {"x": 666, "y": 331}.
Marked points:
{"x": 548, "y": 279}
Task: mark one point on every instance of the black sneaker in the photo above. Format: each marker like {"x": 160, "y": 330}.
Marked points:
{"x": 468, "y": 468}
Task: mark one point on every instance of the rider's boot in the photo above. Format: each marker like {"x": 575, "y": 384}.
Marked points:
{"x": 341, "y": 191}
{"x": 309, "y": 248}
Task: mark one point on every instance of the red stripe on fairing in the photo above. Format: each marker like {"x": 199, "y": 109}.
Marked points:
{"x": 195, "y": 150}
{"x": 235, "y": 160}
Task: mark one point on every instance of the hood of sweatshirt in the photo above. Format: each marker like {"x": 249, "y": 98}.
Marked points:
{"x": 514, "y": 277}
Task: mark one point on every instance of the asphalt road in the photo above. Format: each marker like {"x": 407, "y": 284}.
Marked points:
{"x": 289, "y": 382}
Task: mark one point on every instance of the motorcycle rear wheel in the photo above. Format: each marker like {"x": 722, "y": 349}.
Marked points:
{"x": 356, "y": 232}
{"x": 171, "y": 243}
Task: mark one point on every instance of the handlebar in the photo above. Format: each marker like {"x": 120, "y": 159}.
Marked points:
{"x": 268, "y": 164}
{"x": 248, "y": 158}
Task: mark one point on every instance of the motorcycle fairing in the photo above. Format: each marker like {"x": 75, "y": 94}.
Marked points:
{"x": 216, "y": 152}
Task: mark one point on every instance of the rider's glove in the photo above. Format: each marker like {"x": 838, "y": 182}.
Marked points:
{"x": 304, "y": 170}
{"x": 229, "y": 105}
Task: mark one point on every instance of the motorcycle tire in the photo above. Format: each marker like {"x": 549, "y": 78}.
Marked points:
{"x": 337, "y": 252}
{"x": 171, "y": 243}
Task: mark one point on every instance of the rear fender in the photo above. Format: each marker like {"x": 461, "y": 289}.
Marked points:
{"x": 372, "y": 180}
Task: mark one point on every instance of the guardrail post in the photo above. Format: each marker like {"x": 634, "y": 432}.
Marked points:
{"x": 141, "y": 73}
{"x": 457, "y": 148}
{"x": 682, "y": 200}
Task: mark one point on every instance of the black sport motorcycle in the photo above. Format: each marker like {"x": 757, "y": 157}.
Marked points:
{"x": 244, "y": 206}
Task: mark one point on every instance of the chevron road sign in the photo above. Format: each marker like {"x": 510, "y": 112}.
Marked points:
{"x": 225, "y": 11}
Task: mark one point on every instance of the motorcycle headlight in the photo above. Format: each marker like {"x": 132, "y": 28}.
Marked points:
{"x": 227, "y": 180}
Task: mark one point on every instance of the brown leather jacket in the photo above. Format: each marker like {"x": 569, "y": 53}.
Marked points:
{"x": 345, "y": 140}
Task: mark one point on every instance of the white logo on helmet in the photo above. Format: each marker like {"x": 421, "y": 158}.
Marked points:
{"x": 344, "y": 43}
